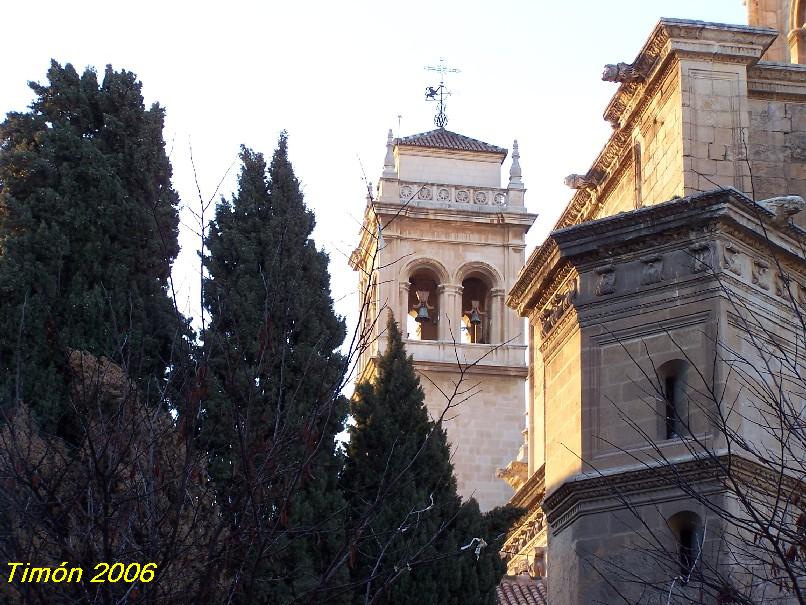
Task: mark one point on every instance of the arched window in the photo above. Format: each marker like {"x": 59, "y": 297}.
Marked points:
{"x": 475, "y": 309}
{"x": 687, "y": 529}
{"x": 675, "y": 408}
{"x": 423, "y": 305}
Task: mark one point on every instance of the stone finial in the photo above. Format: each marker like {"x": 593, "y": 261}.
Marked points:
{"x": 389, "y": 162}
{"x": 622, "y": 72}
{"x": 515, "y": 181}
{"x": 783, "y": 208}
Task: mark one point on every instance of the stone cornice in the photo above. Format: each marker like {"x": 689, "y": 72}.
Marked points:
{"x": 617, "y": 238}
{"x": 480, "y": 214}
{"x": 531, "y": 492}
{"x": 475, "y": 370}
{"x": 628, "y": 231}
{"x": 779, "y": 81}
{"x": 592, "y": 493}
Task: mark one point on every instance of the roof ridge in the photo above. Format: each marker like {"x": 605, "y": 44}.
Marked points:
{"x": 441, "y": 138}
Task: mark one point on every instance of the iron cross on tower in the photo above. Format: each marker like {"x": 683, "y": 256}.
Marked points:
{"x": 439, "y": 93}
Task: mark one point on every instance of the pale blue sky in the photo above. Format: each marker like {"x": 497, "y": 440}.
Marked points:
{"x": 337, "y": 74}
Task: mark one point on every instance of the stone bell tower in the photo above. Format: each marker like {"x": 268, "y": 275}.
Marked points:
{"x": 440, "y": 247}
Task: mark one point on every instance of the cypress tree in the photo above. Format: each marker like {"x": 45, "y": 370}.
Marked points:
{"x": 408, "y": 524}
{"x": 274, "y": 406}
{"x": 88, "y": 232}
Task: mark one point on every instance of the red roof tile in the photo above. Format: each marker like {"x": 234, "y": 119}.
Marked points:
{"x": 521, "y": 591}
{"x": 445, "y": 139}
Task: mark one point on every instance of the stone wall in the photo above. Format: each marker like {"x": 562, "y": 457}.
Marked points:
{"x": 563, "y": 410}
{"x": 435, "y": 167}
{"x": 777, "y": 147}
{"x": 484, "y": 431}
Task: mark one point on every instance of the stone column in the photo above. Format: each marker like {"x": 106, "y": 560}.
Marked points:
{"x": 498, "y": 328}
{"x": 402, "y": 315}
{"x": 450, "y": 314}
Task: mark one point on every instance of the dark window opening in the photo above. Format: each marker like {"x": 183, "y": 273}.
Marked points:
{"x": 687, "y": 529}
{"x": 672, "y": 412}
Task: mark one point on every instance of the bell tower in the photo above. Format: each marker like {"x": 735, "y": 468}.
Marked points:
{"x": 440, "y": 247}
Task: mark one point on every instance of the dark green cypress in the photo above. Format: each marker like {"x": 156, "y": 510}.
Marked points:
{"x": 88, "y": 232}
{"x": 398, "y": 463}
{"x": 274, "y": 406}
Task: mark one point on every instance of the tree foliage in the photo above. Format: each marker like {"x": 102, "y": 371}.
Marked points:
{"x": 274, "y": 407}
{"x": 413, "y": 539}
{"x": 88, "y": 232}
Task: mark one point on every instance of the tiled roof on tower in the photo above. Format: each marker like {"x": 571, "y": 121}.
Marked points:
{"x": 520, "y": 591}
{"x": 445, "y": 139}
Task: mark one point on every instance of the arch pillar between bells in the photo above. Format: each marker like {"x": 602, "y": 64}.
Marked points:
{"x": 403, "y": 308}
{"x": 450, "y": 313}
{"x": 498, "y": 331}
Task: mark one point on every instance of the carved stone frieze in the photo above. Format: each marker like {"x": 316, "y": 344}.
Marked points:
{"x": 652, "y": 271}
{"x": 761, "y": 274}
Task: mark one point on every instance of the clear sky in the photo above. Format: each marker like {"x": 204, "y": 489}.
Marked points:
{"x": 337, "y": 75}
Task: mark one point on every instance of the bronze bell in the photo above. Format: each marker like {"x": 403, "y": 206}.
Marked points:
{"x": 475, "y": 318}
{"x": 422, "y": 314}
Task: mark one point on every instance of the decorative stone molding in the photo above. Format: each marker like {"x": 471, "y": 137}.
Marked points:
{"x": 761, "y": 274}
{"x": 607, "y": 280}
{"x": 652, "y": 272}
{"x": 701, "y": 257}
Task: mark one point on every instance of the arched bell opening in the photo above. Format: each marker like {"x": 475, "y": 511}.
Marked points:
{"x": 476, "y": 299}
{"x": 423, "y": 305}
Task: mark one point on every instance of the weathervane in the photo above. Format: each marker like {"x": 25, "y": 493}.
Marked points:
{"x": 431, "y": 93}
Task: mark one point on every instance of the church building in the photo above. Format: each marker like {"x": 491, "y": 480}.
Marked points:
{"x": 677, "y": 262}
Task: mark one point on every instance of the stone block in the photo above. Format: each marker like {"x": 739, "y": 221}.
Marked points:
{"x": 704, "y": 134}
{"x": 717, "y": 151}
